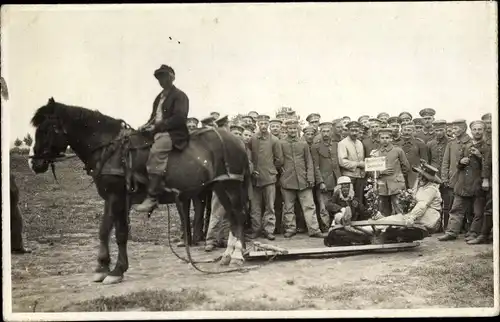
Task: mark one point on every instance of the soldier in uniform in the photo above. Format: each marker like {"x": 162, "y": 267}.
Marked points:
{"x": 327, "y": 171}
{"x": 215, "y": 115}
{"x": 449, "y": 131}
{"x": 337, "y": 130}
{"x": 392, "y": 180}
{"x": 486, "y": 185}
{"x": 437, "y": 148}
{"x": 247, "y": 120}
{"x": 383, "y": 116}
{"x": 237, "y": 130}
{"x": 468, "y": 187}
{"x": 419, "y": 125}
{"x": 275, "y": 127}
{"x": 208, "y": 121}
{"x": 266, "y": 159}
{"x": 314, "y": 119}
{"x": 309, "y": 134}
{"x": 345, "y": 120}
{"x": 427, "y": 133}
{"x": 394, "y": 125}
{"x": 254, "y": 115}
{"x": 415, "y": 150}
{"x": 364, "y": 120}
{"x": 405, "y": 118}
{"x": 451, "y": 158}
{"x": 297, "y": 181}
{"x": 192, "y": 124}
{"x": 372, "y": 143}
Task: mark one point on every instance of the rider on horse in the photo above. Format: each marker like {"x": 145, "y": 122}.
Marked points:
{"x": 167, "y": 124}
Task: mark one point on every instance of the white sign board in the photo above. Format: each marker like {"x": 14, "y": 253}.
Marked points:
{"x": 375, "y": 164}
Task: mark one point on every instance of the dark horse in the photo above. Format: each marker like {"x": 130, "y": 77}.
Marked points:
{"x": 214, "y": 159}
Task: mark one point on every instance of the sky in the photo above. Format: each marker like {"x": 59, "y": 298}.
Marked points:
{"x": 336, "y": 59}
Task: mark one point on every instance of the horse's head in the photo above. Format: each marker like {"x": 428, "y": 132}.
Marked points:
{"x": 50, "y": 137}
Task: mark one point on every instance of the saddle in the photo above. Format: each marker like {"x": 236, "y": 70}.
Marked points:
{"x": 127, "y": 154}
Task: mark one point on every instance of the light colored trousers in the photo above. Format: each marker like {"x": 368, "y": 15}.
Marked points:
{"x": 308, "y": 208}
{"x": 266, "y": 221}
{"x": 323, "y": 198}
{"x": 218, "y": 227}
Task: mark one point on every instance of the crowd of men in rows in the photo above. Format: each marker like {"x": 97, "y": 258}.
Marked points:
{"x": 295, "y": 176}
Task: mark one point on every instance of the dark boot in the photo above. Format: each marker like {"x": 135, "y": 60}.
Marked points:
{"x": 151, "y": 202}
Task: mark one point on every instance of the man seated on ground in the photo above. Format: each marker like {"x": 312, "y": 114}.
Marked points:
{"x": 343, "y": 206}
{"x": 425, "y": 216}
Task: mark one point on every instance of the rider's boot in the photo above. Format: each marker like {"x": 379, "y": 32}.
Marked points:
{"x": 151, "y": 202}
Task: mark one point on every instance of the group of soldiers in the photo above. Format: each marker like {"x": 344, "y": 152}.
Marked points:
{"x": 295, "y": 176}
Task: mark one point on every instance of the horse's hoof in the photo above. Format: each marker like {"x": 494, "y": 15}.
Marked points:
{"x": 99, "y": 277}
{"x": 236, "y": 262}
{"x": 225, "y": 260}
{"x": 110, "y": 279}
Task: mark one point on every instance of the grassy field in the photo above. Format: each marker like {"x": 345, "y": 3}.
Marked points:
{"x": 61, "y": 225}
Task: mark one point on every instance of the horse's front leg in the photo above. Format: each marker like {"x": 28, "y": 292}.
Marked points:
{"x": 119, "y": 212}
{"x": 103, "y": 259}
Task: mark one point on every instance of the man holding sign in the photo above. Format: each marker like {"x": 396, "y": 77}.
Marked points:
{"x": 391, "y": 180}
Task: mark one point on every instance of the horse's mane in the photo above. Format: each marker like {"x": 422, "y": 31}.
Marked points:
{"x": 69, "y": 113}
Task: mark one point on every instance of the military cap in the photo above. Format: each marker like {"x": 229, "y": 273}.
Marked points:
{"x": 385, "y": 130}
{"x": 486, "y": 117}
{"x": 373, "y": 119}
{"x": 394, "y": 119}
{"x": 236, "y": 127}
{"x": 346, "y": 118}
{"x": 291, "y": 122}
{"x": 312, "y": 116}
{"x": 439, "y": 124}
{"x": 263, "y": 117}
{"x": 253, "y": 114}
{"x": 276, "y": 121}
{"x": 309, "y": 128}
{"x": 418, "y": 121}
{"x": 290, "y": 113}
{"x": 281, "y": 115}
{"x": 207, "y": 120}
{"x": 383, "y": 114}
{"x": 476, "y": 122}
{"x": 363, "y": 117}
{"x": 164, "y": 69}
{"x": 459, "y": 121}
{"x": 410, "y": 124}
{"x": 336, "y": 121}
{"x": 353, "y": 124}
{"x": 247, "y": 117}
{"x": 325, "y": 124}
{"x": 222, "y": 121}
{"x": 215, "y": 115}
{"x": 192, "y": 120}
{"x": 404, "y": 115}
{"x": 427, "y": 112}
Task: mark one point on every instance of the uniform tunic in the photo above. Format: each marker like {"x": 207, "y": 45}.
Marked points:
{"x": 437, "y": 148}
{"x": 426, "y": 136}
{"x": 396, "y": 160}
{"x": 415, "y": 150}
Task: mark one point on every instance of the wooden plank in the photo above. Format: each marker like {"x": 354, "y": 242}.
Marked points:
{"x": 270, "y": 247}
{"x": 332, "y": 250}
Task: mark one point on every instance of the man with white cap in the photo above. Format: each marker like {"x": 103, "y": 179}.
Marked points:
{"x": 192, "y": 124}
{"x": 343, "y": 206}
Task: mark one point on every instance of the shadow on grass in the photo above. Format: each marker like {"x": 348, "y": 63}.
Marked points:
{"x": 148, "y": 300}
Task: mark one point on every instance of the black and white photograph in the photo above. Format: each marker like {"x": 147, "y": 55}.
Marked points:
{"x": 249, "y": 160}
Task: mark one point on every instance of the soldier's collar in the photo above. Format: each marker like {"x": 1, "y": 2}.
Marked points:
{"x": 430, "y": 132}
{"x": 387, "y": 148}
